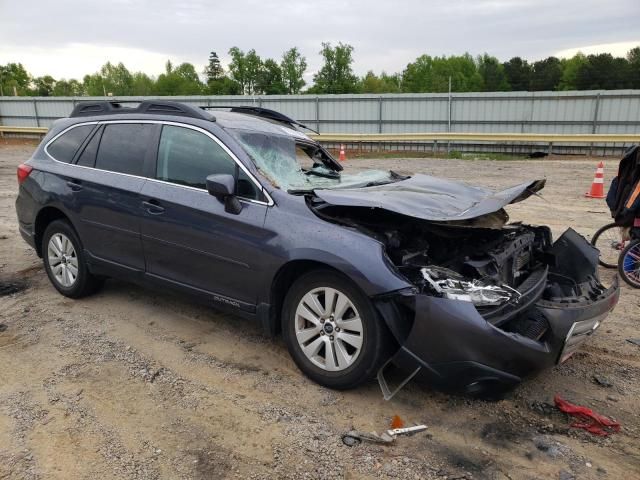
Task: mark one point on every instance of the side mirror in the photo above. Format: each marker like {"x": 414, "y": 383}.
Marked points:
{"x": 222, "y": 186}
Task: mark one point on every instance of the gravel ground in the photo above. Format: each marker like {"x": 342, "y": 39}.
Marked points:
{"x": 135, "y": 384}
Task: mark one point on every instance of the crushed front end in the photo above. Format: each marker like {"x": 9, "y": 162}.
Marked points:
{"x": 495, "y": 306}
{"x": 491, "y": 301}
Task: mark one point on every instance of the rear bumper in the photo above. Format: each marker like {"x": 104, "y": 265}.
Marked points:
{"x": 27, "y": 235}
{"x": 454, "y": 346}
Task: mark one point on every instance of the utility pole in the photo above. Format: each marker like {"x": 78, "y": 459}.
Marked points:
{"x": 449, "y": 117}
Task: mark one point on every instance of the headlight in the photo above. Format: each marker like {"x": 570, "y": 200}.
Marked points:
{"x": 452, "y": 285}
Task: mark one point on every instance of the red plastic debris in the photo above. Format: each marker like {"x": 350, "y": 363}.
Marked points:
{"x": 397, "y": 422}
{"x": 589, "y": 420}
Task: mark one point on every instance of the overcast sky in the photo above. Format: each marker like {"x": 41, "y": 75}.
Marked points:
{"x": 70, "y": 38}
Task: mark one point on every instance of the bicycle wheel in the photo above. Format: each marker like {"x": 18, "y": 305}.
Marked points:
{"x": 608, "y": 240}
{"x": 629, "y": 264}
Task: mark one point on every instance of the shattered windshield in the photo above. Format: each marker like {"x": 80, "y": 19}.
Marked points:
{"x": 300, "y": 165}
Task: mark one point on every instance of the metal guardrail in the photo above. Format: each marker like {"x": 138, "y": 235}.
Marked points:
{"x": 479, "y": 137}
{"x": 588, "y": 139}
{"x": 23, "y": 130}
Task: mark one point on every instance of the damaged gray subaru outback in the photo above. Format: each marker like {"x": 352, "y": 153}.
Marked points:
{"x": 362, "y": 273}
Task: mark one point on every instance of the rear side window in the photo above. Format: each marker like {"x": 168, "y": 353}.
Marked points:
{"x": 187, "y": 157}
{"x": 123, "y": 147}
{"x": 66, "y": 145}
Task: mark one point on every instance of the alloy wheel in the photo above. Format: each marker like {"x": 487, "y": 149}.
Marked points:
{"x": 63, "y": 260}
{"x": 329, "y": 329}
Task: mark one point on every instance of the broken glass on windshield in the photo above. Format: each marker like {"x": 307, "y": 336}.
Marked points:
{"x": 300, "y": 166}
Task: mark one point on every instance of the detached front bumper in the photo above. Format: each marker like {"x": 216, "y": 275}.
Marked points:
{"x": 451, "y": 345}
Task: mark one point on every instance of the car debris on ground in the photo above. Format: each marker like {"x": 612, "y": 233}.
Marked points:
{"x": 354, "y": 437}
{"x": 587, "y": 419}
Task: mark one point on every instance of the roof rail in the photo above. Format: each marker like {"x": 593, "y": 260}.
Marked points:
{"x": 158, "y": 107}
{"x": 261, "y": 112}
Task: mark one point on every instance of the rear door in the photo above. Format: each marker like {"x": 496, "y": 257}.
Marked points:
{"x": 189, "y": 239}
{"x": 107, "y": 182}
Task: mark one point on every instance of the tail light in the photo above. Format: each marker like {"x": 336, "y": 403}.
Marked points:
{"x": 23, "y": 172}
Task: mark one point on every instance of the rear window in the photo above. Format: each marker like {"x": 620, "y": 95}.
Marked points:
{"x": 66, "y": 145}
{"x": 123, "y": 147}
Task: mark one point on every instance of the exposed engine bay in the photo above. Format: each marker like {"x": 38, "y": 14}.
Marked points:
{"x": 503, "y": 269}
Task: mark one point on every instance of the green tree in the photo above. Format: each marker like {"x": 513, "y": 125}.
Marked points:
{"x": 68, "y": 88}
{"x": 181, "y": 80}
{"x": 431, "y": 74}
{"x": 633, "y": 57}
{"x": 603, "y": 71}
{"x": 293, "y": 66}
{"x": 270, "y": 81}
{"x": 492, "y": 72}
{"x": 371, "y": 83}
{"x": 223, "y": 86}
{"x": 43, "y": 86}
{"x": 570, "y": 68}
{"x": 94, "y": 85}
{"x": 142, "y": 84}
{"x": 117, "y": 78}
{"x": 245, "y": 69}
{"x": 253, "y": 64}
{"x": 238, "y": 67}
{"x": 336, "y": 74}
{"x": 214, "y": 70}
{"x": 546, "y": 74}
{"x": 518, "y": 73}
{"x": 111, "y": 79}
{"x": 14, "y": 78}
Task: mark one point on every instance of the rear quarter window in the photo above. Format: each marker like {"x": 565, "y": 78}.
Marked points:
{"x": 66, "y": 145}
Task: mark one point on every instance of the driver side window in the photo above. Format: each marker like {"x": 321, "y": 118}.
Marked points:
{"x": 187, "y": 157}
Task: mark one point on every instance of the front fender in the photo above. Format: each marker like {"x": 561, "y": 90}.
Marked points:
{"x": 368, "y": 269}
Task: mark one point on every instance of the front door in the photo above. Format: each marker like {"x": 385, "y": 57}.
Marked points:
{"x": 188, "y": 237}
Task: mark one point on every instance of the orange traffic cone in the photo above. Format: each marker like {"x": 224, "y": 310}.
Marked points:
{"x": 597, "y": 187}
{"x": 343, "y": 156}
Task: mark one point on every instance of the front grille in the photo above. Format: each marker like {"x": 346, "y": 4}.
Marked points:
{"x": 522, "y": 261}
{"x": 532, "y": 324}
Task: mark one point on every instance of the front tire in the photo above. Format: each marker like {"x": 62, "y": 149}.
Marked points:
{"x": 332, "y": 330}
{"x": 65, "y": 262}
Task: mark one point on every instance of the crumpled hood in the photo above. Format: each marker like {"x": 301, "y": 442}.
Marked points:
{"x": 431, "y": 198}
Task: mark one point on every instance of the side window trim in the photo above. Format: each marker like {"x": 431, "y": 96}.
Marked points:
{"x": 239, "y": 164}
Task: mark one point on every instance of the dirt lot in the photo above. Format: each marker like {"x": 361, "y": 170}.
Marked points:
{"x": 134, "y": 384}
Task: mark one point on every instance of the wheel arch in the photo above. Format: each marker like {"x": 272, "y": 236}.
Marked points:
{"x": 286, "y": 275}
{"x": 45, "y": 216}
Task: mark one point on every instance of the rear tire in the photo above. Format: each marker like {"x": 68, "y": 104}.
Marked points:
{"x": 604, "y": 240}
{"x": 332, "y": 330}
{"x": 629, "y": 264}
{"x": 65, "y": 262}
